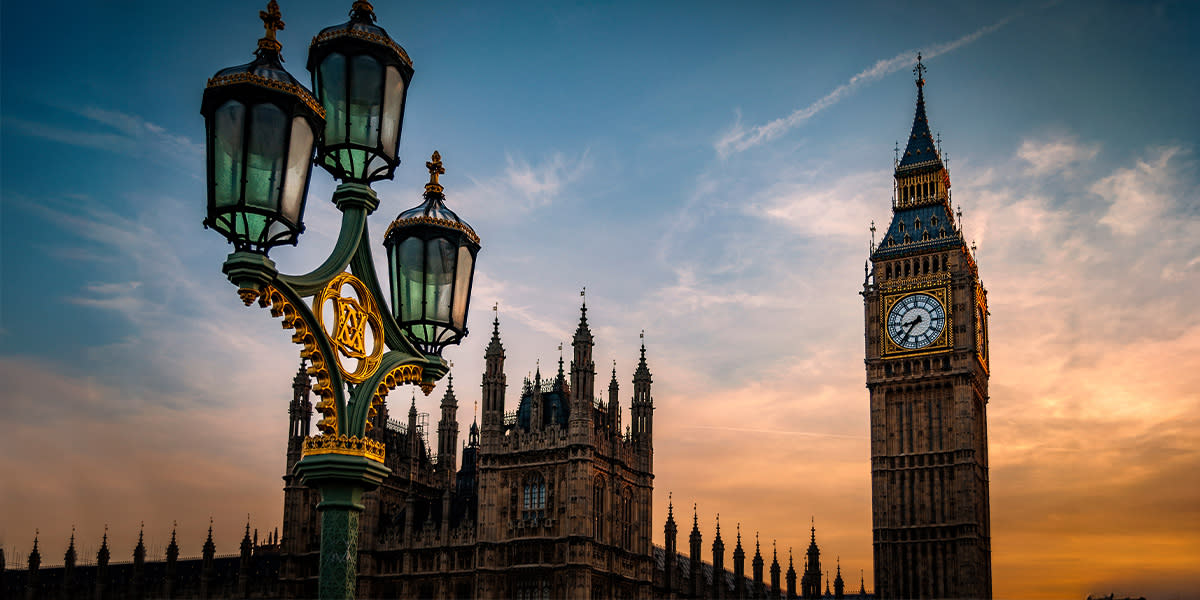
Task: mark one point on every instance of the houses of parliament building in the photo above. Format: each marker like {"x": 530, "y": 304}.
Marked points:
{"x": 551, "y": 496}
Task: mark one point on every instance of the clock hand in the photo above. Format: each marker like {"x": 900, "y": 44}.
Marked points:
{"x": 910, "y": 326}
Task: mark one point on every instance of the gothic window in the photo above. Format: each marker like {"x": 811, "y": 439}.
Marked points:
{"x": 627, "y": 519}
{"x": 598, "y": 509}
{"x": 917, "y": 222}
{"x": 535, "y": 589}
{"x": 534, "y": 498}
{"x": 933, "y": 221}
{"x": 901, "y": 226}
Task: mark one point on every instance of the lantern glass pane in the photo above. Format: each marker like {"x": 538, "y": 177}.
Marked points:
{"x": 299, "y": 163}
{"x": 228, "y": 129}
{"x": 462, "y": 287}
{"x": 439, "y": 278}
{"x": 331, "y": 87}
{"x": 411, "y": 279}
{"x": 264, "y": 156}
{"x": 393, "y": 89}
{"x": 365, "y": 103}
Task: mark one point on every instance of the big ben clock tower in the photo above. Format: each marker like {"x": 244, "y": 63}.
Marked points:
{"x": 927, "y": 372}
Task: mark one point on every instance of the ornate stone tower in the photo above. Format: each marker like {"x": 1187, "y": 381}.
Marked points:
{"x": 927, "y": 372}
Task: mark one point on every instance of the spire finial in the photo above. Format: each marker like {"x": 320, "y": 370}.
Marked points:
{"x": 583, "y": 294}
{"x": 920, "y": 71}
{"x": 670, "y": 506}
{"x": 362, "y": 10}
{"x": 435, "y": 168}
{"x": 718, "y": 524}
{"x": 272, "y": 21}
{"x": 695, "y": 516}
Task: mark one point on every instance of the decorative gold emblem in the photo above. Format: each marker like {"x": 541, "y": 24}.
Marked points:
{"x": 356, "y": 321}
{"x": 344, "y": 444}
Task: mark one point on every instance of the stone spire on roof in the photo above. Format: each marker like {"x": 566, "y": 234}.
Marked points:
{"x": 921, "y": 150}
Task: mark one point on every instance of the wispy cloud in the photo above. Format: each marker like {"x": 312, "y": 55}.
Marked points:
{"x": 740, "y": 139}
{"x": 115, "y": 131}
{"x": 1138, "y": 195}
{"x": 1056, "y": 154}
{"x": 524, "y": 186}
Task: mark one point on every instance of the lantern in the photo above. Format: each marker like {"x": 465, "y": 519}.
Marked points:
{"x": 431, "y": 264}
{"x": 361, "y": 77}
{"x": 261, "y": 126}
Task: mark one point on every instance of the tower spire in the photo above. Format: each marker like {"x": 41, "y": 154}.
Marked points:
{"x": 921, "y": 152}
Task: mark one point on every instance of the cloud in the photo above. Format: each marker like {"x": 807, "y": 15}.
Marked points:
{"x": 739, "y": 139}
{"x": 1054, "y": 155}
{"x": 523, "y": 186}
{"x": 1138, "y": 195}
{"x": 118, "y": 132}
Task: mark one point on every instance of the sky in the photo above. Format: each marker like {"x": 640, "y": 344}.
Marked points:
{"x": 709, "y": 171}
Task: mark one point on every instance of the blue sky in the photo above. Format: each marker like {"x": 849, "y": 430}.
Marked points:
{"x": 709, "y": 171}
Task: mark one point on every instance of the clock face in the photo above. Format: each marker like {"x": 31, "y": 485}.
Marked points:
{"x": 916, "y": 321}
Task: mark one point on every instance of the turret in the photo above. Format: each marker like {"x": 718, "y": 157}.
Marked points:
{"x": 811, "y": 582}
{"x": 448, "y": 433}
{"x": 206, "y": 568}
{"x": 670, "y": 550}
{"x": 35, "y": 563}
{"x": 697, "y": 580}
{"x": 68, "y": 582}
{"x": 774, "y": 571}
{"x": 172, "y": 564}
{"x": 299, "y": 417}
{"x": 739, "y": 567}
{"x": 535, "y": 401}
{"x": 614, "y": 404}
{"x": 791, "y": 577}
{"x": 583, "y": 378}
{"x": 102, "y": 556}
{"x": 718, "y": 564}
{"x": 642, "y": 410}
{"x": 139, "y": 566}
{"x": 244, "y": 564}
{"x": 493, "y": 385}
{"x": 839, "y": 586}
{"x": 759, "y": 590}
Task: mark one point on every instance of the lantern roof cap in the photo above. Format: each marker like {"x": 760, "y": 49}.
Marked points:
{"x": 360, "y": 26}
{"x": 266, "y": 70}
{"x": 433, "y": 210}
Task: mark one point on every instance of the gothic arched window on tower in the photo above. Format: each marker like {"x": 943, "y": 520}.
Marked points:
{"x": 534, "y": 498}
{"x": 598, "y": 509}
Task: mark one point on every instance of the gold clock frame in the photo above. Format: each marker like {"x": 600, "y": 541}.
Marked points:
{"x": 981, "y": 331}
{"x": 943, "y": 343}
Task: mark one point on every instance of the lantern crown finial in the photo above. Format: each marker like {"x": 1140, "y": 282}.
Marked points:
{"x": 272, "y": 21}
{"x": 362, "y": 11}
{"x": 435, "y": 168}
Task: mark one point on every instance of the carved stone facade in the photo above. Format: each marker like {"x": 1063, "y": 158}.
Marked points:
{"x": 927, "y": 372}
{"x": 553, "y": 499}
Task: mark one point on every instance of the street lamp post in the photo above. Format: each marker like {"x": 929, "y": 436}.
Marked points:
{"x": 263, "y": 128}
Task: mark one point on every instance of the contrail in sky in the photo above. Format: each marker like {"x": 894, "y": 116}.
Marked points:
{"x": 739, "y": 139}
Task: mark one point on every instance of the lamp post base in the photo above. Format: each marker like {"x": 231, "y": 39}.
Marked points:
{"x": 342, "y": 479}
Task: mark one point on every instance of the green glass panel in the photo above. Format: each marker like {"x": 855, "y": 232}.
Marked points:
{"x": 411, "y": 279}
{"x": 331, "y": 86}
{"x": 264, "y": 156}
{"x": 462, "y": 284}
{"x": 227, "y": 152}
{"x": 298, "y": 168}
{"x": 366, "y": 99}
{"x": 439, "y": 278}
{"x": 393, "y": 89}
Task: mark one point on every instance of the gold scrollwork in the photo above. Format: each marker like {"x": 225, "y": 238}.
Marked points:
{"x": 395, "y": 377}
{"x": 364, "y": 35}
{"x": 344, "y": 444}
{"x": 424, "y": 220}
{"x": 260, "y": 81}
{"x": 319, "y": 368}
{"x": 352, "y": 317}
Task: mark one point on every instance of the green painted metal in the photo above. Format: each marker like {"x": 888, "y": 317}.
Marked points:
{"x": 342, "y": 480}
{"x": 335, "y": 376}
{"x": 354, "y": 226}
{"x": 249, "y": 270}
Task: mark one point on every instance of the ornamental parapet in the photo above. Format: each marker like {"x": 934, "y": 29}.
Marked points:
{"x": 344, "y": 444}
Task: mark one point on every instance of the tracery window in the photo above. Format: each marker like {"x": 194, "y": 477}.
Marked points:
{"x": 598, "y": 509}
{"x": 534, "y": 498}
{"x": 536, "y": 589}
